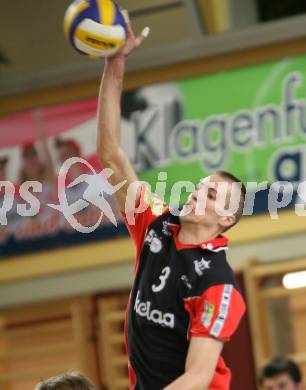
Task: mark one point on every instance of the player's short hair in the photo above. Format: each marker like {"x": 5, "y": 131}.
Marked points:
{"x": 233, "y": 179}
{"x": 278, "y": 366}
{"x": 69, "y": 381}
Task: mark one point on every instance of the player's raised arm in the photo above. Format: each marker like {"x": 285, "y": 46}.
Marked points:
{"x": 109, "y": 149}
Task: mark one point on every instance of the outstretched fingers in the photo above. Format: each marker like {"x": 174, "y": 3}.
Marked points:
{"x": 132, "y": 41}
{"x": 144, "y": 34}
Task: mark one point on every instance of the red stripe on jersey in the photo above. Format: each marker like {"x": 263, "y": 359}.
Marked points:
{"x": 132, "y": 375}
{"x": 137, "y": 223}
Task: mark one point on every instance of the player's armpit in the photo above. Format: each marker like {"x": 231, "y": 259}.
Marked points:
{"x": 202, "y": 359}
{"x": 147, "y": 209}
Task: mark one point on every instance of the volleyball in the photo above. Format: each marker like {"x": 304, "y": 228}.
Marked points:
{"x": 95, "y": 28}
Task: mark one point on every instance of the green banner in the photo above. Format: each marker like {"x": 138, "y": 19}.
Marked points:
{"x": 249, "y": 121}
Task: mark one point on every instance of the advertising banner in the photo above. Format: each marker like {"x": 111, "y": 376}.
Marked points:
{"x": 250, "y": 122}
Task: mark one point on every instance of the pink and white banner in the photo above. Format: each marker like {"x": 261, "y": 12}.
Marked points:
{"x": 33, "y": 147}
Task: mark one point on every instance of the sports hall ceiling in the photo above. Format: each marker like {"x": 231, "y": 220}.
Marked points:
{"x": 31, "y": 37}
{"x": 33, "y": 41}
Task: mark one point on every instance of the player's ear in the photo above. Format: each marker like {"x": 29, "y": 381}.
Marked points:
{"x": 227, "y": 221}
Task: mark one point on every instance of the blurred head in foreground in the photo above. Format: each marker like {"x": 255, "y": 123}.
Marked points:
{"x": 70, "y": 381}
{"x": 281, "y": 374}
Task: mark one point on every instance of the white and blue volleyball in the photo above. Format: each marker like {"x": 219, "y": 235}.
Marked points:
{"x": 95, "y": 28}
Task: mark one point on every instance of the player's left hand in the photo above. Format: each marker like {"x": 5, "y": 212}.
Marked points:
{"x": 133, "y": 42}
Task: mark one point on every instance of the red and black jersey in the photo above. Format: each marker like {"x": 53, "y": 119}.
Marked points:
{"x": 180, "y": 291}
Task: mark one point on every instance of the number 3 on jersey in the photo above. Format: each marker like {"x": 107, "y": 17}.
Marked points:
{"x": 163, "y": 279}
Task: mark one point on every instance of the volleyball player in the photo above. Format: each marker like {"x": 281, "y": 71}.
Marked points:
{"x": 184, "y": 303}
